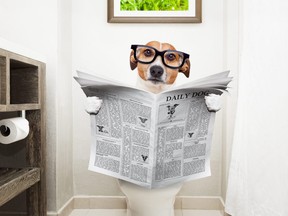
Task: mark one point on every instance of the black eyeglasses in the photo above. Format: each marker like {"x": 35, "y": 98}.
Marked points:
{"x": 170, "y": 58}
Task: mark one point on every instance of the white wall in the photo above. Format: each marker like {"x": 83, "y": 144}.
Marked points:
{"x": 64, "y": 152}
{"x": 38, "y": 29}
{"x": 231, "y": 61}
{"x": 103, "y": 48}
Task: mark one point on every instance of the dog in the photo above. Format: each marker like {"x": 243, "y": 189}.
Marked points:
{"x": 158, "y": 66}
{"x": 158, "y": 73}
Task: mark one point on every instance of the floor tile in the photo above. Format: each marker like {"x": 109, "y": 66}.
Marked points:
{"x": 79, "y": 212}
{"x": 201, "y": 213}
{"x": 122, "y": 212}
{"x": 178, "y": 212}
{"x": 107, "y": 212}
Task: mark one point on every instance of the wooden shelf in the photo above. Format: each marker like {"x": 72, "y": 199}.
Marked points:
{"x": 13, "y": 181}
{"x": 22, "y": 87}
{"x": 19, "y": 107}
{"x": 21, "y": 79}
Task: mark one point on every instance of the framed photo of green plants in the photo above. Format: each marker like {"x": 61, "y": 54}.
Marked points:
{"x": 154, "y": 11}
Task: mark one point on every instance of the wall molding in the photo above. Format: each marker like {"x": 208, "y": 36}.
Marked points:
{"x": 119, "y": 202}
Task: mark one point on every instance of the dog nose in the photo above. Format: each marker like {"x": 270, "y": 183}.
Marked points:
{"x": 156, "y": 71}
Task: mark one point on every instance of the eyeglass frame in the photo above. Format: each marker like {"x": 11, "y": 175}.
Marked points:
{"x": 161, "y": 54}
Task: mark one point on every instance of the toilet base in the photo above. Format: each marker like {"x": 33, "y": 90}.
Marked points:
{"x": 149, "y": 202}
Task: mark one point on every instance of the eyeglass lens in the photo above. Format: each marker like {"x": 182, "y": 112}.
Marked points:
{"x": 148, "y": 54}
{"x": 145, "y": 54}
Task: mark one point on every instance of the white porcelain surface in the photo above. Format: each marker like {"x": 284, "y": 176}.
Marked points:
{"x": 153, "y": 202}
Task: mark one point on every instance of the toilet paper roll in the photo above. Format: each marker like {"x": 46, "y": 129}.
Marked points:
{"x": 13, "y": 129}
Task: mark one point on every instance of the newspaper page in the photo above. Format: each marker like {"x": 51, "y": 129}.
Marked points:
{"x": 183, "y": 137}
{"x": 122, "y": 136}
{"x": 152, "y": 140}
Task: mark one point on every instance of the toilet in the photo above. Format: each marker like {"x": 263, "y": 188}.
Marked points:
{"x": 149, "y": 202}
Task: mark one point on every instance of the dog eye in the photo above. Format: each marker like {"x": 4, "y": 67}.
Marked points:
{"x": 148, "y": 52}
{"x": 170, "y": 57}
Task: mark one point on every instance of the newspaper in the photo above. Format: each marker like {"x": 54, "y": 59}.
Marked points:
{"x": 152, "y": 140}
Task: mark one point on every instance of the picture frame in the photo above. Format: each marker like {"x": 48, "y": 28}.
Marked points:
{"x": 192, "y": 15}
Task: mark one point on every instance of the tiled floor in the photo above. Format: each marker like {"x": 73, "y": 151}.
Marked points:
{"x": 122, "y": 212}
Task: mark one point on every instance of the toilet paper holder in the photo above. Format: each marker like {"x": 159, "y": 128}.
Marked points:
{"x": 5, "y": 131}
{"x": 23, "y": 114}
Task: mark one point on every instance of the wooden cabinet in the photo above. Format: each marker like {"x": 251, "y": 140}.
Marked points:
{"x": 22, "y": 88}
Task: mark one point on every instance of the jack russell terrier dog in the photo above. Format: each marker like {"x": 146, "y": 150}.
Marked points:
{"x": 158, "y": 66}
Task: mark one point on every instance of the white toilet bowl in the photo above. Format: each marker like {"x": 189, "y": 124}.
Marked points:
{"x": 149, "y": 202}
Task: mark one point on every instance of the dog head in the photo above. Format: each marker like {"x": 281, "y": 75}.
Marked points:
{"x": 158, "y": 64}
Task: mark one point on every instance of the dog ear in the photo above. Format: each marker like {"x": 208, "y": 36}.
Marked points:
{"x": 133, "y": 62}
{"x": 185, "y": 68}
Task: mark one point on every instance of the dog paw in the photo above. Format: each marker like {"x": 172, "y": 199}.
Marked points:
{"x": 213, "y": 102}
{"x": 93, "y": 105}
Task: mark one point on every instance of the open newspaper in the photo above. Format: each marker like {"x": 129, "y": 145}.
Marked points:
{"x": 152, "y": 140}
